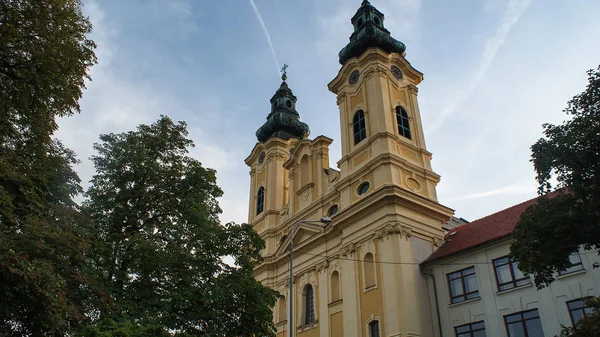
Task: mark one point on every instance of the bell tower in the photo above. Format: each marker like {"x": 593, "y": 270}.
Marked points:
{"x": 380, "y": 121}
{"x": 269, "y": 179}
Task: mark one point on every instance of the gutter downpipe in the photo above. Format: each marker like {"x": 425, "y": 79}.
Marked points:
{"x": 437, "y": 305}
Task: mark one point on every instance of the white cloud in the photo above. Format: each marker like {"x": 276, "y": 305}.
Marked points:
{"x": 513, "y": 12}
{"x": 520, "y": 189}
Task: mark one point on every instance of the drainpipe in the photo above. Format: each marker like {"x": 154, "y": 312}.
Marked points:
{"x": 437, "y": 305}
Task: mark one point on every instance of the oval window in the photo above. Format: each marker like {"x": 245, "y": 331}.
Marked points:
{"x": 363, "y": 188}
{"x": 376, "y": 20}
{"x": 333, "y": 210}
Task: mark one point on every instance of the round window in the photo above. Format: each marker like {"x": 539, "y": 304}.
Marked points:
{"x": 261, "y": 157}
{"x": 363, "y": 188}
{"x": 333, "y": 210}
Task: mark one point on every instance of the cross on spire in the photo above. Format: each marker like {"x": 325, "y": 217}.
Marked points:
{"x": 284, "y": 72}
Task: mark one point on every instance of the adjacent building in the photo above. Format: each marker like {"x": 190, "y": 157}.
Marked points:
{"x": 361, "y": 274}
{"x": 478, "y": 290}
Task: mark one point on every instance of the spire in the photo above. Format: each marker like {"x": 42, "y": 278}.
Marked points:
{"x": 369, "y": 32}
{"x": 283, "y": 121}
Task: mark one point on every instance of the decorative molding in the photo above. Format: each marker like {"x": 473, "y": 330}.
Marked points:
{"x": 323, "y": 266}
{"x": 341, "y": 98}
{"x": 252, "y": 171}
{"x": 284, "y": 211}
{"x": 393, "y": 228}
{"x": 348, "y": 249}
{"x": 280, "y": 157}
{"x": 437, "y": 242}
{"x": 333, "y": 176}
{"x": 321, "y": 153}
{"x": 413, "y": 89}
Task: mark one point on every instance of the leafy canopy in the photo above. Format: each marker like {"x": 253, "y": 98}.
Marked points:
{"x": 159, "y": 246}
{"x": 568, "y": 214}
{"x": 45, "y": 57}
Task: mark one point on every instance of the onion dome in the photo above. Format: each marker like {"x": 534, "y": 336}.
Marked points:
{"x": 283, "y": 121}
{"x": 368, "y": 33}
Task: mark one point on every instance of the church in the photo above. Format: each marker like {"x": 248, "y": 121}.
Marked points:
{"x": 361, "y": 249}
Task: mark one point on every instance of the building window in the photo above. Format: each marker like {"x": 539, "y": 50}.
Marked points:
{"x": 576, "y": 264}
{"x": 463, "y": 285}
{"x": 260, "y": 200}
{"x": 508, "y": 275}
{"x": 360, "y": 127}
{"x": 524, "y": 324}
{"x": 333, "y": 210}
{"x": 374, "y": 329}
{"x": 309, "y": 305}
{"x": 369, "y": 266}
{"x": 335, "y": 286}
{"x": 363, "y": 188}
{"x": 471, "y": 330}
{"x": 402, "y": 120}
{"x": 578, "y": 310}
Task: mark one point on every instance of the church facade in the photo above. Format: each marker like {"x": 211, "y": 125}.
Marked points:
{"x": 382, "y": 199}
{"x": 372, "y": 270}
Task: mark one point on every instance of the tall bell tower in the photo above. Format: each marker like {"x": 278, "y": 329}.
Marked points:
{"x": 380, "y": 121}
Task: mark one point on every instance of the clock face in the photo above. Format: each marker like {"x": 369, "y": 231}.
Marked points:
{"x": 353, "y": 77}
{"x": 261, "y": 157}
{"x": 397, "y": 73}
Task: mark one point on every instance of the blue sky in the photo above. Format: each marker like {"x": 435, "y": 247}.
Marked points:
{"x": 495, "y": 70}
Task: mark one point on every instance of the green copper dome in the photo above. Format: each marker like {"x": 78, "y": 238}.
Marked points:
{"x": 369, "y": 32}
{"x": 283, "y": 121}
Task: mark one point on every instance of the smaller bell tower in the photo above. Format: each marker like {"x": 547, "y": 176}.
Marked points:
{"x": 269, "y": 179}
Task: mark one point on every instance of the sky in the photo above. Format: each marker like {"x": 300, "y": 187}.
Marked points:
{"x": 495, "y": 71}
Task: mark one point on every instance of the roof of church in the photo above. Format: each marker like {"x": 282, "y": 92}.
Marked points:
{"x": 369, "y": 32}
{"x": 479, "y": 232}
{"x": 283, "y": 121}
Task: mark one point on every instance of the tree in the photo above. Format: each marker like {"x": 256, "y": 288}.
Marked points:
{"x": 44, "y": 60}
{"x": 159, "y": 245}
{"x": 567, "y": 215}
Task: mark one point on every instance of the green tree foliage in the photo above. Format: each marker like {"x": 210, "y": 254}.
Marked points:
{"x": 44, "y": 61}
{"x": 588, "y": 326}
{"x": 568, "y": 214}
{"x": 158, "y": 242}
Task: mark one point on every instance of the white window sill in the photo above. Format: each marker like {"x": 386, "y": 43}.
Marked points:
{"x": 514, "y": 289}
{"x": 309, "y": 326}
{"x": 573, "y": 273}
{"x": 452, "y": 305}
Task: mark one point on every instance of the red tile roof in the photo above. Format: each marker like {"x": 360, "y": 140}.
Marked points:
{"x": 490, "y": 228}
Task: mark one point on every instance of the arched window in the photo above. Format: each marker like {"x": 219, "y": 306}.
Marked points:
{"x": 369, "y": 266}
{"x": 281, "y": 304}
{"x": 374, "y": 329}
{"x": 360, "y": 126}
{"x": 402, "y": 120}
{"x": 335, "y": 286}
{"x": 309, "y": 304}
{"x": 260, "y": 200}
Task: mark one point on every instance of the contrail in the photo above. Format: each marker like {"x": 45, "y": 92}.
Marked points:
{"x": 267, "y": 35}
{"x": 513, "y": 12}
